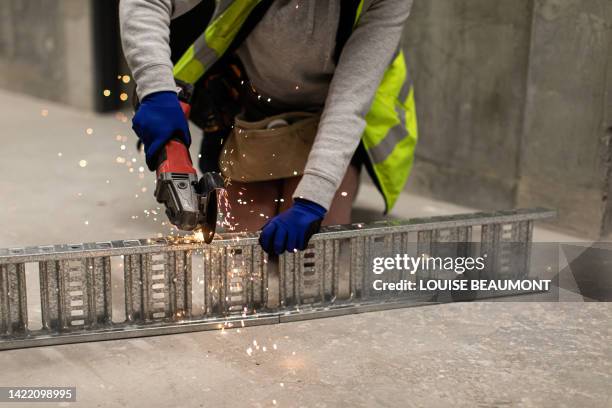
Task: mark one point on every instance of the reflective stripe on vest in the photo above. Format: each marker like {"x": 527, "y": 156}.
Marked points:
{"x": 391, "y": 130}
{"x": 228, "y": 18}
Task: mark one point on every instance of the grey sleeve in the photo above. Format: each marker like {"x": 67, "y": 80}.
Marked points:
{"x": 364, "y": 59}
{"x": 145, "y": 36}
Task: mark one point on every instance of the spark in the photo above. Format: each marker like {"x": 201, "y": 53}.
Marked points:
{"x": 83, "y": 163}
{"x": 198, "y": 236}
{"x": 122, "y": 117}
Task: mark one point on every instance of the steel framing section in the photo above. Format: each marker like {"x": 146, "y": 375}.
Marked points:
{"x": 241, "y": 285}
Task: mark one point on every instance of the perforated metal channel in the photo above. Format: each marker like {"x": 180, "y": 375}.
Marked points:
{"x": 241, "y": 284}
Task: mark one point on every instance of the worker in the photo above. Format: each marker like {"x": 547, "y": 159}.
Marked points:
{"x": 294, "y": 97}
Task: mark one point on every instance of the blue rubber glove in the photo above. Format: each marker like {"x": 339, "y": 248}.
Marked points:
{"x": 293, "y": 228}
{"x": 159, "y": 119}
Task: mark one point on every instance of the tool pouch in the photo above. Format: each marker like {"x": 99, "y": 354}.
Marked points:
{"x": 274, "y": 148}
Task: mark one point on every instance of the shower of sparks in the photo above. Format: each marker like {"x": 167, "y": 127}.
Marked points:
{"x": 226, "y": 211}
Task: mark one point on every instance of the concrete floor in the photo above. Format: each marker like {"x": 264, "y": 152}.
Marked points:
{"x": 482, "y": 354}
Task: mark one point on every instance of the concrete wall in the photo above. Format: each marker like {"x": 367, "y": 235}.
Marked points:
{"x": 469, "y": 61}
{"x": 566, "y": 151}
{"x": 46, "y": 50}
{"x": 514, "y": 105}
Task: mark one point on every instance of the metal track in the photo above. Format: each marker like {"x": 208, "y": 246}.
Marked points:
{"x": 239, "y": 285}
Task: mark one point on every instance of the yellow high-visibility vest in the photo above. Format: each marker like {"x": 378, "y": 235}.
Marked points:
{"x": 391, "y": 131}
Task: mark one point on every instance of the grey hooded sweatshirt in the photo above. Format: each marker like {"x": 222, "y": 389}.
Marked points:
{"x": 288, "y": 57}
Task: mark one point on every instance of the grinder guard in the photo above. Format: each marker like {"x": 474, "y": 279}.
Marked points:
{"x": 190, "y": 204}
{"x": 209, "y": 188}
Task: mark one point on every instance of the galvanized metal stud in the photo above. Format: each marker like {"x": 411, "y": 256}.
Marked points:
{"x": 13, "y": 300}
